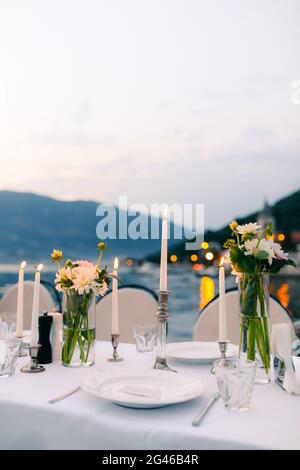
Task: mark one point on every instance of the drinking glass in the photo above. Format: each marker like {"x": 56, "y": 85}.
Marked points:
{"x": 236, "y": 382}
{"x": 145, "y": 337}
{"x": 9, "y": 351}
{"x": 8, "y": 323}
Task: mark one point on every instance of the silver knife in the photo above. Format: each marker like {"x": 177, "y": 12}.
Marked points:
{"x": 197, "y": 420}
{"x": 65, "y": 395}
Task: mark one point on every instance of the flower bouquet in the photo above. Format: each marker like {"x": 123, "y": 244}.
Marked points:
{"x": 254, "y": 255}
{"x": 80, "y": 282}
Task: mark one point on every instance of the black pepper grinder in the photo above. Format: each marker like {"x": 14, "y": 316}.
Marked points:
{"x": 45, "y": 351}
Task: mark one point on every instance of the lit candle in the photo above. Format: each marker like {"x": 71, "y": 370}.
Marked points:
{"x": 163, "y": 284}
{"x": 20, "y": 301}
{"x": 115, "y": 305}
{"x": 35, "y": 307}
{"x": 222, "y": 304}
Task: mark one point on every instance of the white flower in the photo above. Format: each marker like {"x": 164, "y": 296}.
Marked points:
{"x": 58, "y": 287}
{"x": 101, "y": 289}
{"x": 255, "y": 248}
{"x": 279, "y": 253}
{"x": 63, "y": 274}
{"x": 84, "y": 278}
{"x": 248, "y": 228}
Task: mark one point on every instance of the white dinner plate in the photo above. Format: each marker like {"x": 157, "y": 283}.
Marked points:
{"x": 198, "y": 351}
{"x": 149, "y": 389}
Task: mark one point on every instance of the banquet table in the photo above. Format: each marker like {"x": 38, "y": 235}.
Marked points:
{"x": 84, "y": 421}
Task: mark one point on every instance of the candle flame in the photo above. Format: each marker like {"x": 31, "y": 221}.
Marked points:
{"x": 116, "y": 264}
{"x": 23, "y": 265}
{"x": 221, "y": 262}
{"x": 39, "y": 267}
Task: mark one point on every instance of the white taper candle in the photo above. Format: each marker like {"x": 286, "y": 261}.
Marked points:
{"x": 20, "y": 301}
{"x": 163, "y": 283}
{"x": 115, "y": 303}
{"x": 36, "y": 307}
{"x": 222, "y": 304}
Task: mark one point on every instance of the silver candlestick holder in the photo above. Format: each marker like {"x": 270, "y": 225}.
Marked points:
{"x": 162, "y": 321}
{"x": 224, "y": 361}
{"x": 33, "y": 367}
{"x": 23, "y": 351}
{"x": 115, "y": 343}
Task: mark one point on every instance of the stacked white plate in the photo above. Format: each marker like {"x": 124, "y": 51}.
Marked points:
{"x": 150, "y": 389}
{"x": 204, "y": 352}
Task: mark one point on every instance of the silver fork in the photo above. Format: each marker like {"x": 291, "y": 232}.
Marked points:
{"x": 65, "y": 395}
{"x": 198, "y": 418}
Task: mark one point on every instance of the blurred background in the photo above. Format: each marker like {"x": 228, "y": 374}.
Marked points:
{"x": 164, "y": 101}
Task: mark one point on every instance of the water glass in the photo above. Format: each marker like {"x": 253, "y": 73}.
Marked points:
{"x": 8, "y": 323}
{"x": 145, "y": 337}
{"x": 9, "y": 351}
{"x": 235, "y": 382}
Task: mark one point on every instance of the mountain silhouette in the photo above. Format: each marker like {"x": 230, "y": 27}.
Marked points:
{"x": 32, "y": 225}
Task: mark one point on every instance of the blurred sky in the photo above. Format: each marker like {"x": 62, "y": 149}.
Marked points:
{"x": 160, "y": 100}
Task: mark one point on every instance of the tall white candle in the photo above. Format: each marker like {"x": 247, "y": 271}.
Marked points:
{"x": 115, "y": 304}
{"x": 222, "y": 304}
{"x": 163, "y": 283}
{"x": 36, "y": 307}
{"x": 20, "y": 301}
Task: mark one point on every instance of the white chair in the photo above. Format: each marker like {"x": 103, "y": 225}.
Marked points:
{"x": 8, "y": 303}
{"x": 137, "y": 306}
{"x": 206, "y": 327}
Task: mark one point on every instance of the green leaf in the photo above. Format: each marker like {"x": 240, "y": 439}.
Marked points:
{"x": 240, "y": 262}
{"x": 278, "y": 264}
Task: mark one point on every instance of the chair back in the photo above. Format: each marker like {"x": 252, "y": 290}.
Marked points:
{"x": 137, "y": 306}
{"x": 8, "y": 303}
{"x": 206, "y": 327}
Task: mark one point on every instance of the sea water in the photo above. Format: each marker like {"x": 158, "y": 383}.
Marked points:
{"x": 188, "y": 293}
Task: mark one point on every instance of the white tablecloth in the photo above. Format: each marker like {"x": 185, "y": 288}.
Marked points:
{"x": 83, "y": 421}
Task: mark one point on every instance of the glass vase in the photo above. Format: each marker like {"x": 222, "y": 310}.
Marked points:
{"x": 254, "y": 322}
{"x": 78, "y": 329}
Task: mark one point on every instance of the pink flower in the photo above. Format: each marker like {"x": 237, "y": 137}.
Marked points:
{"x": 279, "y": 253}
{"x": 84, "y": 263}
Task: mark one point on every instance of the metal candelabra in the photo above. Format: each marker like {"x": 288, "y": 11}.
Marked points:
{"x": 162, "y": 321}
{"x": 115, "y": 343}
{"x": 33, "y": 367}
{"x": 223, "y": 362}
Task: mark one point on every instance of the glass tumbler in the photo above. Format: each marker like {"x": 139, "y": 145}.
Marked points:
{"x": 9, "y": 351}
{"x": 145, "y": 337}
{"x": 8, "y": 322}
{"x": 236, "y": 382}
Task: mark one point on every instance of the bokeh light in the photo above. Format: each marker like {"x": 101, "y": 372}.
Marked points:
{"x": 209, "y": 256}
{"x": 204, "y": 245}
